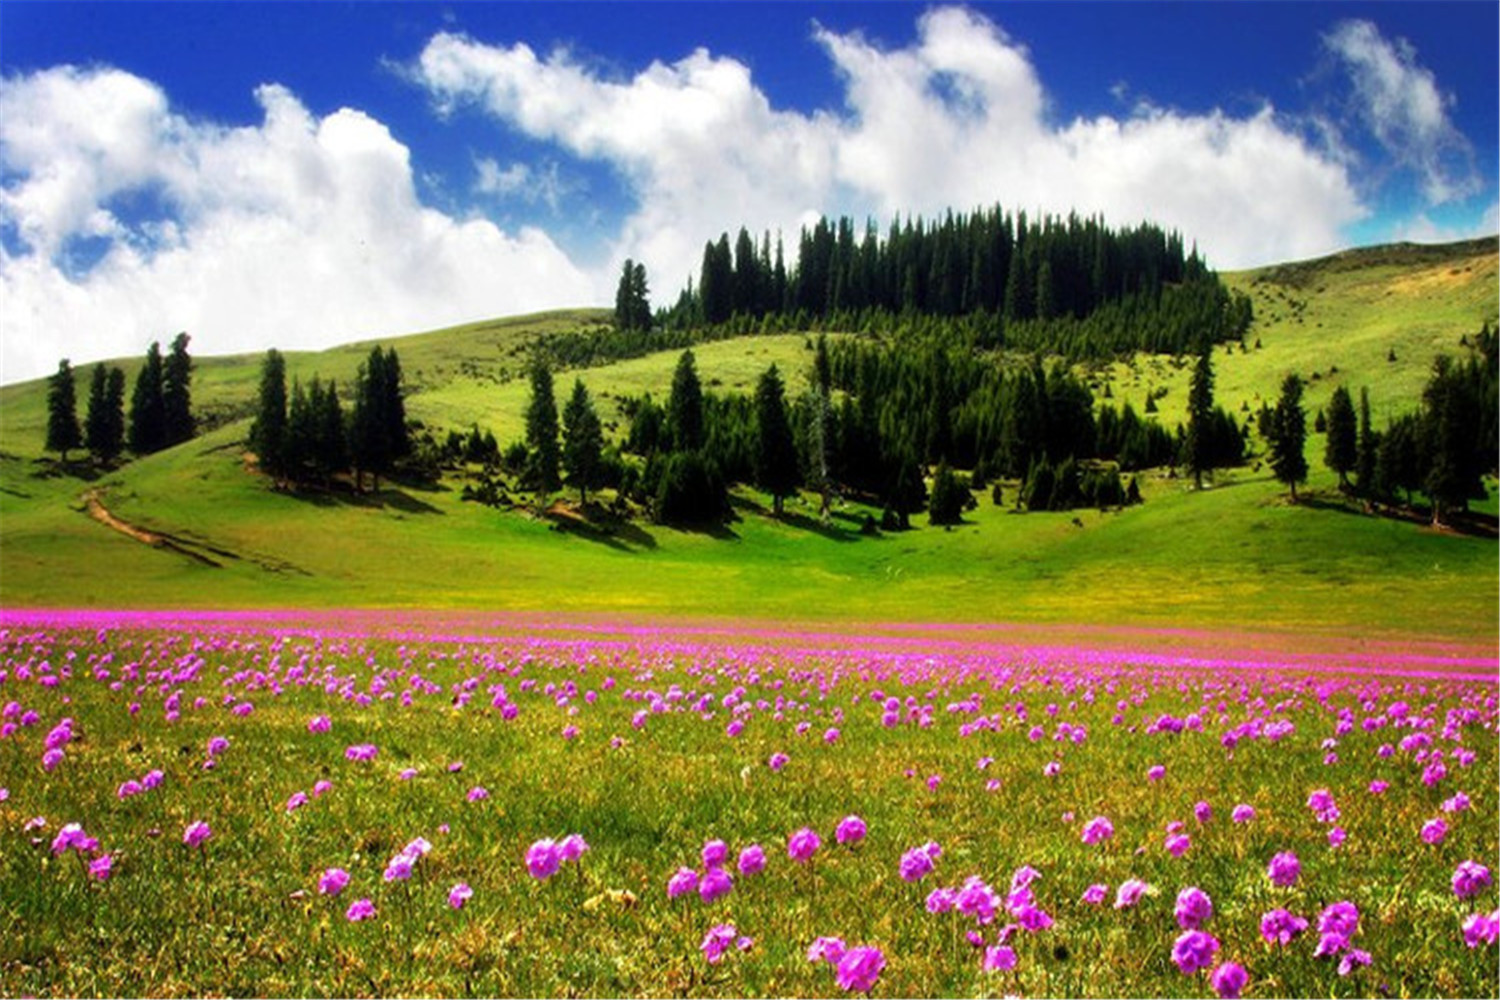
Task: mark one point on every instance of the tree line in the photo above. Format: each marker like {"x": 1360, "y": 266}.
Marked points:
{"x": 307, "y": 436}
{"x": 161, "y": 406}
{"x": 1070, "y": 286}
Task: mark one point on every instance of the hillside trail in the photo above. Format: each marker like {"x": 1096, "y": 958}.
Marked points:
{"x": 104, "y": 516}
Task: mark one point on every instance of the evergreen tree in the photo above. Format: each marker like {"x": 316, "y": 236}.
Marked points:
{"x": 104, "y": 427}
{"x": 332, "y": 451}
{"x": 63, "y": 433}
{"x": 632, "y": 302}
{"x": 269, "y": 431}
{"x": 541, "y": 431}
{"x": 148, "y": 419}
{"x": 1341, "y": 453}
{"x": 776, "y": 447}
{"x": 114, "y": 412}
{"x": 298, "y": 444}
{"x": 1200, "y": 414}
{"x": 685, "y": 406}
{"x": 1289, "y": 436}
{"x": 176, "y": 393}
{"x": 946, "y": 503}
{"x": 378, "y": 437}
{"x": 1368, "y": 449}
{"x": 1399, "y": 460}
{"x": 583, "y": 442}
{"x": 1455, "y": 464}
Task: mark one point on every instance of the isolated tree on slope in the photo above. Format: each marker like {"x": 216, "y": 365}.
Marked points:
{"x": 775, "y": 444}
{"x": 1289, "y": 436}
{"x": 685, "y": 406}
{"x": 63, "y": 433}
{"x": 1200, "y": 442}
{"x": 1341, "y": 453}
{"x": 176, "y": 393}
{"x": 268, "y": 432}
{"x": 541, "y": 430}
{"x": 148, "y": 428}
{"x": 583, "y": 441}
{"x": 104, "y": 428}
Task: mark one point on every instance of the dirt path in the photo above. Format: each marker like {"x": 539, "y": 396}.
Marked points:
{"x": 102, "y": 514}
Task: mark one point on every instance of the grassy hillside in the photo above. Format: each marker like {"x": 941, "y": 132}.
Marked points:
{"x": 1235, "y": 555}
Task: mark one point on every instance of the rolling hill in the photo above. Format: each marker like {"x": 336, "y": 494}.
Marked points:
{"x": 1235, "y": 555}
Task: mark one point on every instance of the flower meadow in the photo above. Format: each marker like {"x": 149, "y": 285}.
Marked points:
{"x": 226, "y": 805}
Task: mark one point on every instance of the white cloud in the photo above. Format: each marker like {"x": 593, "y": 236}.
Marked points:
{"x": 300, "y": 232}
{"x": 1399, "y": 101}
{"x": 1422, "y": 228}
{"x": 957, "y": 119}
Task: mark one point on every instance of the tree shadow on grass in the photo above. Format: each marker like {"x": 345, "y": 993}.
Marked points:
{"x": 1473, "y": 524}
{"x": 385, "y": 498}
{"x": 596, "y": 525}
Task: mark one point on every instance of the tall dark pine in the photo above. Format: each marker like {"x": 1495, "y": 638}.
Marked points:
{"x": 332, "y": 451}
{"x": 114, "y": 411}
{"x": 583, "y": 442}
{"x": 632, "y": 299}
{"x": 63, "y": 433}
{"x": 104, "y": 427}
{"x": 377, "y": 431}
{"x": 148, "y": 417}
{"x": 1451, "y": 411}
{"x": 268, "y": 432}
{"x": 541, "y": 431}
{"x": 176, "y": 393}
{"x": 1289, "y": 436}
{"x": 685, "y": 406}
{"x": 1200, "y": 450}
{"x": 775, "y": 444}
{"x": 1369, "y": 448}
{"x": 1341, "y": 453}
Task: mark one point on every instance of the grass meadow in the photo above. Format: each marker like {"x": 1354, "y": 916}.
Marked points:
{"x": 429, "y": 761}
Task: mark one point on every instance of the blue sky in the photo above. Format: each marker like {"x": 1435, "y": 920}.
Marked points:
{"x": 305, "y": 174}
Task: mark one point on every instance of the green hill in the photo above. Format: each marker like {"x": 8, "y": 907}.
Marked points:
{"x": 1233, "y": 556}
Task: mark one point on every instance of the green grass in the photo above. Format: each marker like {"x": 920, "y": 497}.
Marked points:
{"x": 1233, "y": 556}
{"x": 242, "y": 915}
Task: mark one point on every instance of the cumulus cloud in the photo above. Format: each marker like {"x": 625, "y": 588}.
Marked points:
{"x": 1399, "y": 101}
{"x": 959, "y": 118}
{"x": 299, "y": 232}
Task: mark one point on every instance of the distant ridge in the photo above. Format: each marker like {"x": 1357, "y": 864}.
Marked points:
{"x": 1299, "y": 273}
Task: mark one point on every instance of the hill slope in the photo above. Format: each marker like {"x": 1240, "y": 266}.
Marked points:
{"x": 1235, "y": 555}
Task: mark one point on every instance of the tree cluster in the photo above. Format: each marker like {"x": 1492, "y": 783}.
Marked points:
{"x": 307, "y": 437}
{"x": 1068, "y": 286}
{"x": 161, "y": 407}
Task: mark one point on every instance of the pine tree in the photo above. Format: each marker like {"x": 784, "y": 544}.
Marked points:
{"x": 378, "y": 437}
{"x": 1368, "y": 449}
{"x": 632, "y": 302}
{"x": 685, "y": 406}
{"x": 268, "y": 432}
{"x": 776, "y": 447}
{"x": 114, "y": 413}
{"x": 63, "y": 433}
{"x": 946, "y": 504}
{"x": 332, "y": 452}
{"x": 583, "y": 442}
{"x": 102, "y": 429}
{"x": 1341, "y": 453}
{"x": 541, "y": 431}
{"x": 148, "y": 426}
{"x": 1289, "y": 436}
{"x": 176, "y": 393}
{"x": 1200, "y": 414}
{"x": 1451, "y": 411}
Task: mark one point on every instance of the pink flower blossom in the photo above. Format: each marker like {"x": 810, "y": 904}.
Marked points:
{"x": 751, "y": 860}
{"x": 851, "y": 830}
{"x": 459, "y": 895}
{"x": 1242, "y": 813}
{"x": 1193, "y": 909}
{"x": 826, "y": 949}
{"x": 196, "y": 833}
{"x": 682, "y": 882}
{"x": 859, "y": 969}
{"x": 802, "y": 845}
{"x": 1284, "y": 869}
{"x": 1194, "y": 950}
{"x": 542, "y": 859}
{"x": 1229, "y": 980}
{"x": 1130, "y": 892}
{"x": 360, "y": 909}
{"x": 714, "y": 884}
{"x": 1280, "y": 926}
{"x": 1098, "y": 830}
{"x": 999, "y": 959}
{"x": 332, "y": 881}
